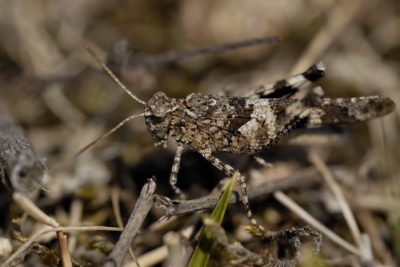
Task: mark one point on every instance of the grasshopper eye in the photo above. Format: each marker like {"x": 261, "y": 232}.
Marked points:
{"x": 160, "y": 111}
{"x": 159, "y": 105}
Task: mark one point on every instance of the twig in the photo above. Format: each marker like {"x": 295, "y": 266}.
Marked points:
{"x": 173, "y": 241}
{"x": 174, "y": 56}
{"x": 347, "y": 213}
{"x": 288, "y": 203}
{"x": 181, "y": 207}
{"x": 29, "y": 207}
{"x": 367, "y": 256}
{"x": 25, "y": 171}
{"x": 163, "y": 58}
{"x": 380, "y": 248}
{"x": 159, "y": 254}
{"x": 338, "y": 19}
{"x": 75, "y": 218}
{"x": 151, "y": 258}
{"x": 115, "y": 192}
{"x": 63, "y": 246}
{"x": 142, "y": 207}
{"x": 36, "y": 236}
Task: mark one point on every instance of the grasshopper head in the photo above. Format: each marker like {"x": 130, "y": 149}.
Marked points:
{"x": 158, "y": 115}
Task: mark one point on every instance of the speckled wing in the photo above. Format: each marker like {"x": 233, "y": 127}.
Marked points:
{"x": 350, "y": 110}
{"x": 241, "y": 125}
{"x": 247, "y": 126}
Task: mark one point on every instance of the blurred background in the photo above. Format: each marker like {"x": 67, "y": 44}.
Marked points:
{"x": 56, "y": 91}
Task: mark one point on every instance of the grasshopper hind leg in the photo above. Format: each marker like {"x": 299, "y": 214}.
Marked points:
{"x": 242, "y": 183}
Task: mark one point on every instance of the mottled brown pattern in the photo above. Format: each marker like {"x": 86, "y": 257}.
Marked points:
{"x": 250, "y": 124}
{"x": 247, "y": 126}
{"x": 208, "y": 123}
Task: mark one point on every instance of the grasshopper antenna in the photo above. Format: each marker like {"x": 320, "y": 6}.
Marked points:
{"x": 101, "y": 138}
{"x": 93, "y": 54}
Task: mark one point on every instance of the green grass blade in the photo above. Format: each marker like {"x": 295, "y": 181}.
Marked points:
{"x": 203, "y": 249}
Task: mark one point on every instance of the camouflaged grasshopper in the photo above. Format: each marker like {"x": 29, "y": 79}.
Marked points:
{"x": 248, "y": 124}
